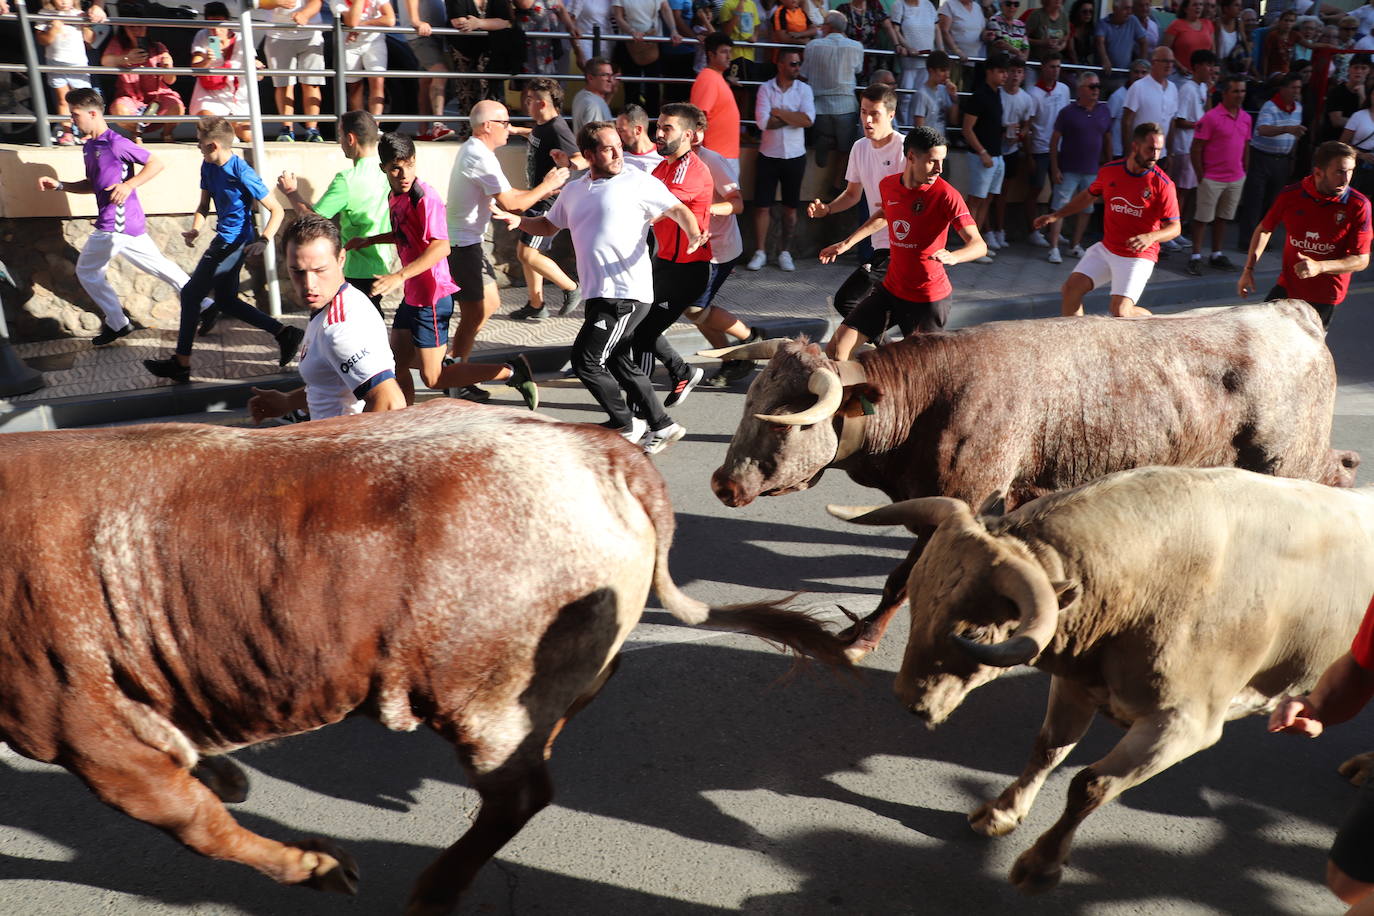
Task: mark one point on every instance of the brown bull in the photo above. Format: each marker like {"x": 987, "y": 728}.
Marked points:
{"x": 1029, "y": 407}
{"x": 171, "y": 593}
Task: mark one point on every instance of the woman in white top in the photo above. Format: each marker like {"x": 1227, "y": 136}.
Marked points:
{"x": 917, "y": 21}
{"x": 1359, "y": 133}
{"x": 224, "y": 95}
{"x": 366, "y": 51}
{"x": 962, "y": 23}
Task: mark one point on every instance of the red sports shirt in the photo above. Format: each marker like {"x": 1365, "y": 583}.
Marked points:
{"x": 1324, "y": 229}
{"x": 1134, "y": 204}
{"x": 690, "y": 181}
{"x": 1363, "y": 647}
{"x": 918, "y": 220}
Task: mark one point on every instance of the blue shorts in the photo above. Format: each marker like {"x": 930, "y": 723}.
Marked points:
{"x": 1069, "y": 188}
{"x": 428, "y": 325}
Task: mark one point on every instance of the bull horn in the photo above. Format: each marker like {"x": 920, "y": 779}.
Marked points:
{"x": 829, "y": 392}
{"x": 917, "y": 513}
{"x": 759, "y": 349}
{"x": 1029, "y": 587}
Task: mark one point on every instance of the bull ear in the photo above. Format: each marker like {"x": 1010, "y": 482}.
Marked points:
{"x": 995, "y": 505}
{"x": 1068, "y": 591}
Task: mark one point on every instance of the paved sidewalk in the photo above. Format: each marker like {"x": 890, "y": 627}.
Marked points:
{"x": 1020, "y": 284}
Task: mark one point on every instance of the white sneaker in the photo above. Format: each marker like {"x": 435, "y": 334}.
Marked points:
{"x": 636, "y": 430}
{"x": 991, "y": 240}
{"x": 1055, "y": 256}
{"x": 759, "y": 259}
{"x": 1184, "y": 242}
{"x": 985, "y": 259}
{"x": 656, "y": 440}
{"x": 1077, "y": 251}
{"x": 785, "y": 261}
{"x": 1002, "y": 239}
{"x": 1037, "y": 238}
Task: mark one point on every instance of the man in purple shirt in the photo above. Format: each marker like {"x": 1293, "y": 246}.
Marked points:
{"x": 1078, "y": 146}
{"x": 115, "y": 167}
{"x": 1221, "y": 157}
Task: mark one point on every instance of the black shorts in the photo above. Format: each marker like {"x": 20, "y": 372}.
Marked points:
{"x": 882, "y": 309}
{"x": 1324, "y": 312}
{"x": 770, "y": 172}
{"x": 861, "y": 282}
{"x": 541, "y": 243}
{"x": 471, "y": 271}
{"x": 1353, "y": 849}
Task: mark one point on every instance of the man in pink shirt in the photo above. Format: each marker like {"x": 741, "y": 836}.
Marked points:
{"x": 1221, "y": 155}
{"x": 713, "y": 95}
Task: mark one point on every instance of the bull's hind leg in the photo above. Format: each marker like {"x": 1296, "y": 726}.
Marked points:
{"x": 1152, "y": 744}
{"x": 149, "y": 785}
{"x": 224, "y": 777}
{"x": 1069, "y": 714}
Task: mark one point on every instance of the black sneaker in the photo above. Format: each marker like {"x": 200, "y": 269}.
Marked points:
{"x": 168, "y": 368}
{"x": 572, "y": 298}
{"x": 1195, "y": 267}
{"x": 1220, "y": 261}
{"x": 208, "y": 319}
{"x": 683, "y": 388}
{"x": 522, "y": 380}
{"x": 471, "y": 393}
{"x": 289, "y": 340}
{"x": 109, "y": 335}
{"x": 527, "y": 312}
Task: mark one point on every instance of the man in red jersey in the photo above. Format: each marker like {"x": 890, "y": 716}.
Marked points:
{"x": 1327, "y": 223}
{"x": 1140, "y": 212}
{"x": 681, "y": 273}
{"x": 918, "y": 207}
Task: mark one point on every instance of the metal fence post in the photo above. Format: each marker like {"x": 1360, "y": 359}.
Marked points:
{"x": 340, "y": 65}
{"x": 596, "y": 41}
{"x": 38, "y": 90}
{"x": 250, "y": 67}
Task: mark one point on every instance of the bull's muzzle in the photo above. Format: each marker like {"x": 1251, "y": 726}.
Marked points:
{"x": 729, "y": 490}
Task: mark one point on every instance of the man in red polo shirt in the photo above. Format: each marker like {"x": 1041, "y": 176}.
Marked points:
{"x": 681, "y": 273}
{"x": 1140, "y": 212}
{"x": 918, "y": 207}
{"x": 1328, "y": 229}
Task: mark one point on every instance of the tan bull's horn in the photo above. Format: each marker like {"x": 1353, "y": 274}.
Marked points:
{"x": 829, "y": 392}
{"x": 759, "y": 349}
{"x": 1028, "y": 586}
{"x": 913, "y": 513}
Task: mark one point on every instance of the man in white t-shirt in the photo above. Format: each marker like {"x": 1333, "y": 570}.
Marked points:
{"x": 1049, "y": 97}
{"x": 1192, "y": 105}
{"x": 476, "y": 181}
{"x": 874, "y": 156}
{"x": 1152, "y": 100}
{"x": 608, "y": 212}
{"x": 639, "y": 149}
{"x": 1117, "y": 103}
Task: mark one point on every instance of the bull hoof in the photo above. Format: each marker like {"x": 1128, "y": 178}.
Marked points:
{"x": 331, "y": 869}
{"x": 989, "y": 820}
{"x": 1031, "y": 876}
{"x": 1358, "y": 769}
{"x": 862, "y": 639}
{"x": 223, "y": 777}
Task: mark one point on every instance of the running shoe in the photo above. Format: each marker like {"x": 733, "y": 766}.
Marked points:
{"x": 985, "y": 259}
{"x": 656, "y": 440}
{"x": 684, "y": 387}
{"x": 635, "y": 431}
{"x": 522, "y": 380}
{"x": 527, "y": 312}
{"x": 1037, "y": 238}
{"x": 168, "y": 368}
{"x": 109, "y": 335}
{"x": 1171, "y": 245}
{"x": 759, "y": 259}
{"x": 1220, "y": 261}
{"x": 991, "y": 240}
{"x": 1055, "y": 257}
{"x": 572, "y": 298}
{"x": 440, "y": 132}
{"x": 288, "y": 342}
{"x": 66, "y": 139}
{"x": 208, "y": 319}
{"x": 471, "y": 393}
{"x": 785, "y": 261}
{"x": 1195, "y": 266}
{"x": 286, "y": 136}
{"x": 1077, "y": 251}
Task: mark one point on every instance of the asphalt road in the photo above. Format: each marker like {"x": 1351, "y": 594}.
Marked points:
{"x": 705, "y": 780}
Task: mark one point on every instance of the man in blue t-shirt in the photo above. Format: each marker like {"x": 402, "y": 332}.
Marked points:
{"x": 233, "y": 186}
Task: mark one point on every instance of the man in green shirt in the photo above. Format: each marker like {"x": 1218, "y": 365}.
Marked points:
{"x": 358, "y": 196}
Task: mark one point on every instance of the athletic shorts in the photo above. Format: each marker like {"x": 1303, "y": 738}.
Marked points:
{"x": 471, "y": 270}
{"x": 882, "y": 309}
{"x": 985, "y": 182}
{"x": 719, "y": 274}
{"x": 860, "y": 283}
{"x": 431, "y": 52}
{"x": 1324, "y": 311}
{"x": 1070, "y": 187}
{"x": 294, "y": 54}
{"x": 541, "y": 243}
{"x": 1353, "y": 849}
{"x": 1041, "y": 172}
{"x": 770, "y": 172}
{"x": 1127, "y": 276}
{"x": 365, "y": 55}
{"x": 1217, "y": 199}
{"x": 428, "y": 325}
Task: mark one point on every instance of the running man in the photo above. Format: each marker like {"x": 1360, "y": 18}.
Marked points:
{"x": 346, "y": 362}
{"x": 1328, "y": 229}
{"x": 233, "y": 186}
{"x": 1141, "y": 212}
{"x": 419, "y": 332}
{"x": 120, "y": 227}
{"x": 919, "y": 207}
{"x": 608, "y": 212}
{"x": 358, "y": 196}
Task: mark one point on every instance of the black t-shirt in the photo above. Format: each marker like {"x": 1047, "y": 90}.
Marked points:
{"x": 544, "y": 138}
{"x": 1344, "y": 100}
{"x": 986, "y": 105}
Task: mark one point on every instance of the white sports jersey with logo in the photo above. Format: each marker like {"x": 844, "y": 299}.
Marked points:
{"x": 346, "y": 346}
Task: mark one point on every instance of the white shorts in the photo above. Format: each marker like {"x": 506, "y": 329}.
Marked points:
{"x": 70, "y": 80}
{"x": 294, "y": 54}
{"x": 1127, "y": 276}
{"x": 366, "y": 54}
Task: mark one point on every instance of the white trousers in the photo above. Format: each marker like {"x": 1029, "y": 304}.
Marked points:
{"x": 102, "y": 248}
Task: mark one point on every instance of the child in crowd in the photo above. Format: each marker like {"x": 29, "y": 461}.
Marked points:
{"x": 140, "y": 90}
{"x": 224, "y": 96}
{"x": 66, "y": 39}
{"x": 419, "y": 332}
{"x": 303, "y": 49}
{"x": 366, "y": 51}
{"x": 233, "y": 186}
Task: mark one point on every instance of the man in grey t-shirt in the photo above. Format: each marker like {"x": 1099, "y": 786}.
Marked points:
{"x": 593, "y": 102}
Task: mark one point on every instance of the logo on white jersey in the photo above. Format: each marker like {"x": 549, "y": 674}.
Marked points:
{"x": 901, "y": 229}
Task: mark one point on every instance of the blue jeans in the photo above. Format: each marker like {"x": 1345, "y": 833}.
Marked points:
{"x": 218, "y": 273}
